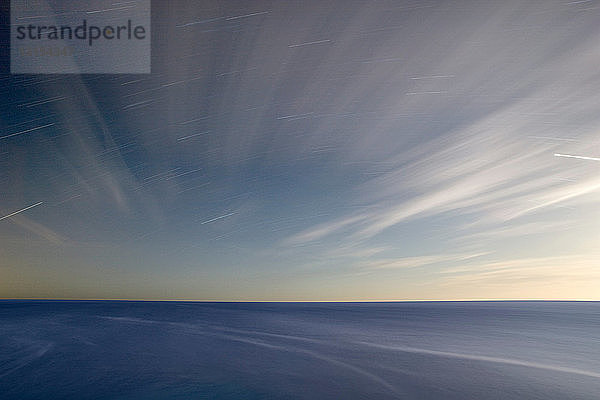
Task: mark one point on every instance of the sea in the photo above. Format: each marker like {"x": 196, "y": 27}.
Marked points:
{"x": 383, "y": 350}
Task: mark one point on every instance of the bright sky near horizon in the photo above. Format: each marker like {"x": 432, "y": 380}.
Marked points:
{"x": 315, "y": 150}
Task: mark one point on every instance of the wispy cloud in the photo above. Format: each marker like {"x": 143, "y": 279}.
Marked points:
{"x": 40, "y": 230}
{"x": 565, "y": 270}
{"x": 419, "y": 261}
{"x": 324, "y": 229}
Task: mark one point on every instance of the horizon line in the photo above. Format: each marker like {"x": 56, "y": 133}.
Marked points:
{"x": 293, "y": 301}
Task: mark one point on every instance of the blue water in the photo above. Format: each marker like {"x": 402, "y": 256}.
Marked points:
{"x": 182, "y": 350}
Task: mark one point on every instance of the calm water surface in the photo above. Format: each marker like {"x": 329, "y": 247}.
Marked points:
{"x": 183, "y": 350}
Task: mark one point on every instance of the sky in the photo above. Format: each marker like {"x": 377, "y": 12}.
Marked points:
{"x": 315, "y": 151}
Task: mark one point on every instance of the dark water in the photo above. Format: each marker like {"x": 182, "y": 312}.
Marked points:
{"x": 157, "y": 350}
